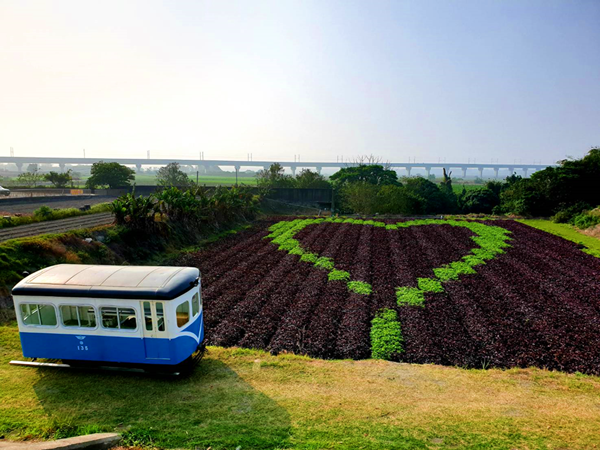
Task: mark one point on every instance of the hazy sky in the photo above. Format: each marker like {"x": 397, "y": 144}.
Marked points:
{"x": 427, "y": 79}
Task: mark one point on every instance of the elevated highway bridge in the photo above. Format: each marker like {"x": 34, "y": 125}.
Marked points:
{"x": 202, "y": 165}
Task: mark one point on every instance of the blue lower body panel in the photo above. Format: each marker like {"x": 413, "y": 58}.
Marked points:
{"x": 106, "y": 348}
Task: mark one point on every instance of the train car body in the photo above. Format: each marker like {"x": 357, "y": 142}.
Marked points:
{"x": 111, "y": 314}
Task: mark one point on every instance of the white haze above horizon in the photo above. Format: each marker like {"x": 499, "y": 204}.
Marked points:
{"x": 456, "y": 80}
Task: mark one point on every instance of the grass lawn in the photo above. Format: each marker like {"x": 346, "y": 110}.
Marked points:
{"x": 568, "y": 232}
{"x": 254, "y": 400}
{"x": 143, "y": 179}
{"x": 457, "y": 188}
{"x": 210, "y": 180}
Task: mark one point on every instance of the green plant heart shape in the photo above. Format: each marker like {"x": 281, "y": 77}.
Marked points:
{"x": 490, "y": 240}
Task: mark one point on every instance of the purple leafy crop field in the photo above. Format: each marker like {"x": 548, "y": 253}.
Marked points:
{"x": 465, "y": 293}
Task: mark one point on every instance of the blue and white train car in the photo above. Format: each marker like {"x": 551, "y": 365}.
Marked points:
{"x": 126, "y": 315}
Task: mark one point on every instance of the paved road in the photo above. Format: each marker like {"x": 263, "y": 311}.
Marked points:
{"x": 56, "y": 226}
{"x": 29, "y": 207}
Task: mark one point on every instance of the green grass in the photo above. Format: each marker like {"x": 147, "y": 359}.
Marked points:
{"x": 254, "y": 400}
{"x": 469, "y": 187}
{"x": 210, "y": 180}
{"x": 34, "y": 253}
{"x": 52, "y": 214}
{"x": 568, "y": 232}
{"x": 144, "y": 179}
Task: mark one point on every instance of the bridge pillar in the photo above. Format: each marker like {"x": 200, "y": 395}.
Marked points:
{"x": 138, "y": 168}
{"x": 511, "y": 170}
{"x": 62, "y": 167}
{"x": 408, "y": 171}
{"x": 496, "y": 173}
{"x": 481, "y": 172}
{"x": 524, "y": 172}
{"x": 19, "y": 167}
{"x": 293, "y": 171}
{"x": 319, "y": 168}
{"x": 428, "y": 171}
{"x": 464, "y": 172}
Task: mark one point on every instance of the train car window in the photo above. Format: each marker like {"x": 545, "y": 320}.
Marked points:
{"x": 148, "y": 316}
{"x": 87, "y": 316}
{"x": 118, "y": 318}
{"x": 110, "y": 319}
{"x": 195, "y": 304}
{"x": 160, "y": 316}
{"x": 78, "y": 316}
{"x": 127, "y": 319}
{"x": 34, "y": 314}
{"x": 183, "y": 314}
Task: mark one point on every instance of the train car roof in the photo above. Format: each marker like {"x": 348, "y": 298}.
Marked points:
{"x": 117, "y": 282}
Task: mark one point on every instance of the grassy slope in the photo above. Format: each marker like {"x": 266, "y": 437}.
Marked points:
{"x": 568, "y": 232}
{"x": 56, "y": 214}
{"x": 255, "y": 400}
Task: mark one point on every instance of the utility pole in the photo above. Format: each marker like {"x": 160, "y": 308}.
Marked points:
{"x": 84, "y": 153}
{"x": 148, "y": 154}
{"x": 12, "y": 152}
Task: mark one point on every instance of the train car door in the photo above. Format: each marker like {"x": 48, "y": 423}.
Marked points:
{"x": 156, "y": 339}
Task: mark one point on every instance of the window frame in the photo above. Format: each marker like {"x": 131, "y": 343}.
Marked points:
{"x": 163, "y": 316}
{"x": 197, "y": 294}
{"x": 22, "y": 319}
{"x": 188, "y": 301}
{"x": 144, "y": 303}
{"x": 119, "y": 329}
{"x": 78, "y": 319}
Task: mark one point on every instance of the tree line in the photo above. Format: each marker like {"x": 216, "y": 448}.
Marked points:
{"x": 567, "y": 192}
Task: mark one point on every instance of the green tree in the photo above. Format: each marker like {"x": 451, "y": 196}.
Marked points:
{"x": 359, "y": 197}
{"x": 172, "y": 175}
{"x": 372, "y": 174}
{"x": 451, "y": 203}
{"x": 59, "y": 180}
{"x": 113, "y": 175}
{"x": 554, "y": 189}
{"x": 31, "y": 177}
{"x": 478, "y": 201}
{"x": 309, "y": 179}
{"x": 428, "y": 194}
{"x": 397, "y": 200}
{"x": 274, "y": 176}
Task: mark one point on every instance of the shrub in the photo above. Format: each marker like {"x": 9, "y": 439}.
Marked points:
{"x": 566, "y": 215}
{"x": 586, "y": 220}
{"x": 43, "y": 213}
